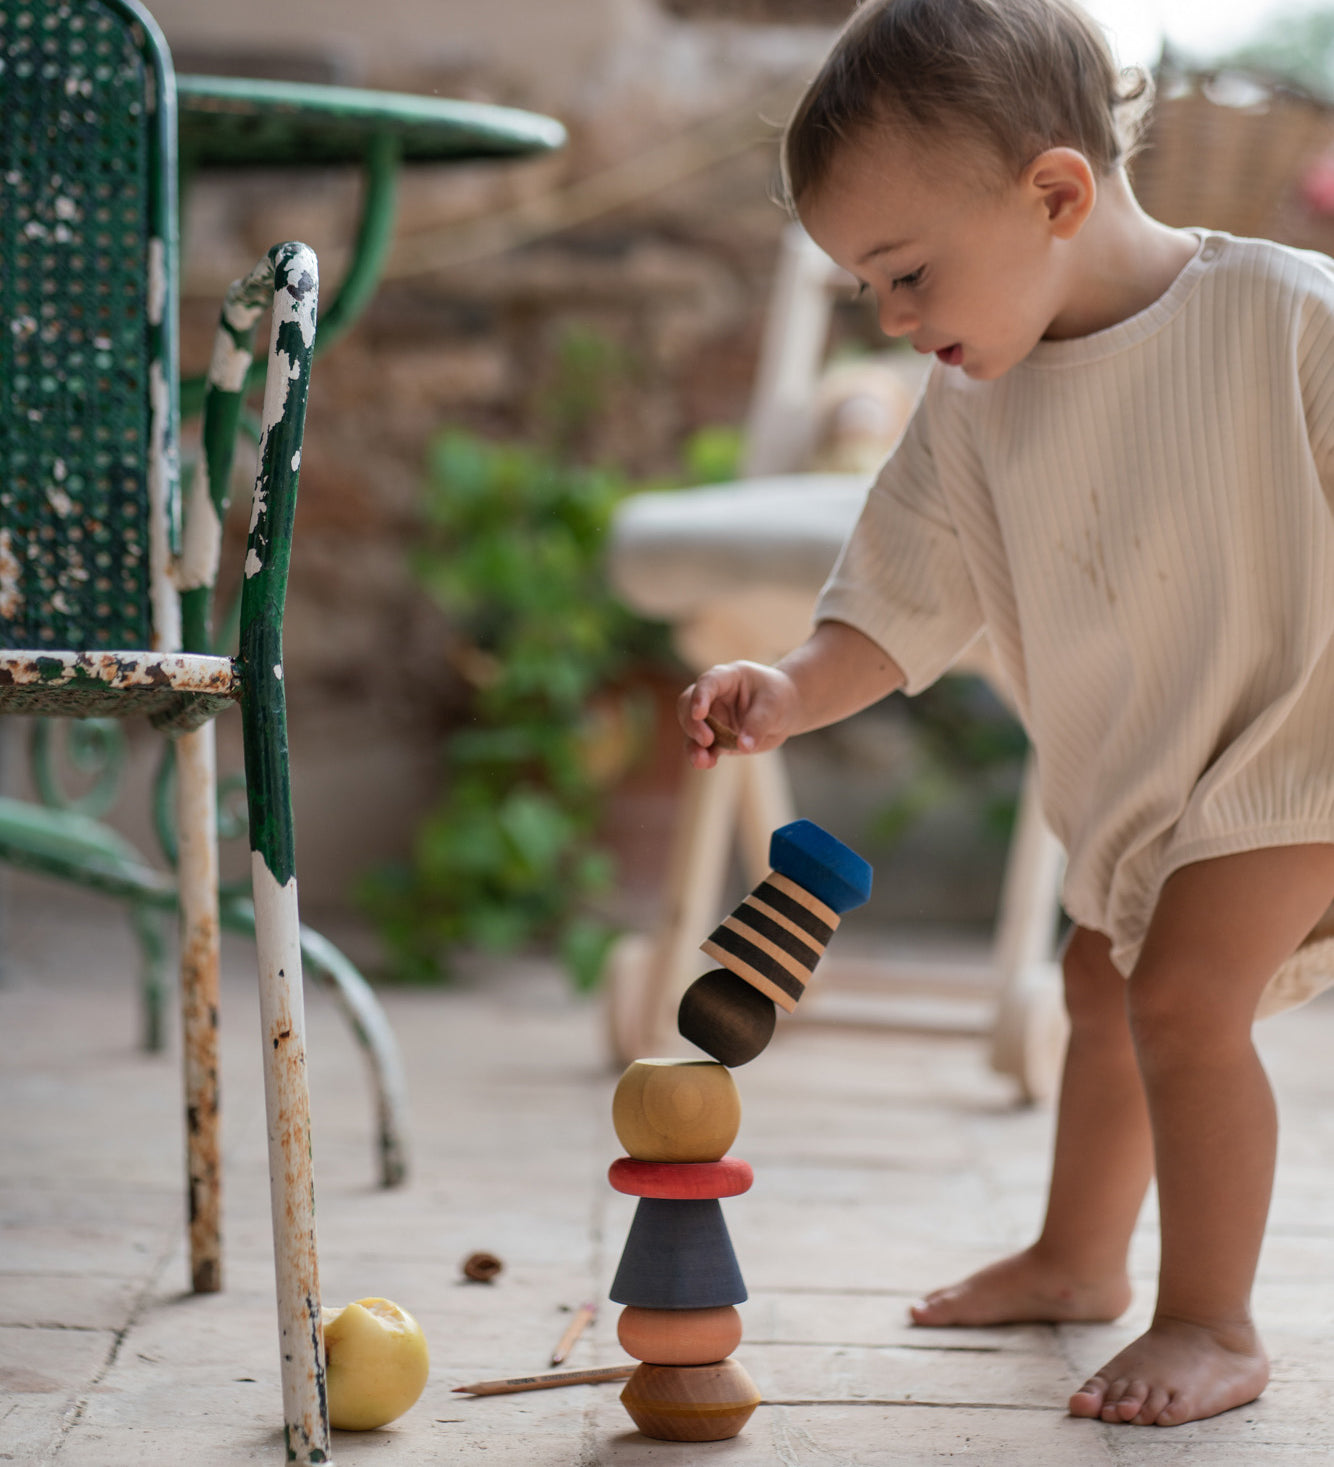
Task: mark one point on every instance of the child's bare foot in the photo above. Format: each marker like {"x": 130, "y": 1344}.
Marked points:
{"x": 1024, "y": 1289}
{"x": 1176, "y": 1372}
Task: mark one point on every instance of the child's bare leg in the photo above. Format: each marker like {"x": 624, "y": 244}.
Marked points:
{"x": 1221, "y": 928}
{"x": 1101, "y": 1168}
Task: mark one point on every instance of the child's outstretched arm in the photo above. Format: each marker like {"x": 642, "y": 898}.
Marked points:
{"x": 836, "y": 672}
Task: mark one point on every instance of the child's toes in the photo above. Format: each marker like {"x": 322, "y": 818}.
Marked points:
{"x": 1088, "y": 1399}
{"x": 1132, "y": 1400}
{"x": 1155, "y": 1403}
{"x": 1115, "y": 1399}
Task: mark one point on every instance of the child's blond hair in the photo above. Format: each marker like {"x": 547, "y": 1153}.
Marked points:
{"x": 1018, "y": 76}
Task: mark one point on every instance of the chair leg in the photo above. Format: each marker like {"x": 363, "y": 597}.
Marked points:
{"x": 765, "y": 804}
{"x": 291, "y": 1174}
{"x": 696, "y": 875}
{"x": 1028, "y": 1032}
{"x": 196, "y": 768}
{"x": 149, "y": 932}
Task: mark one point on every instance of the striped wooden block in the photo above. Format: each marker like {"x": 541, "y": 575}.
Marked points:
{"x": 779, "y": 933}
{"x": 775, "y": 938}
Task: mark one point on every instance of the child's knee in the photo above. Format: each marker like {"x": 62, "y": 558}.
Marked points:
{"x": 1185, "y": 1011}
{"x": 1095, "y": 992}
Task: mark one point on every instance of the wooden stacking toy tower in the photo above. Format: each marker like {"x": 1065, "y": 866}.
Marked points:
{"x": 678, "y": 1277}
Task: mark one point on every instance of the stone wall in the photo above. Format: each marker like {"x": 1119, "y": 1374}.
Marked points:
{"x": 654, "y": 229}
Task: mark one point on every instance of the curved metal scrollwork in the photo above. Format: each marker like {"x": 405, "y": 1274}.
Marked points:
{"x": 92, "y": 747}
{"x": 232, "y": 815}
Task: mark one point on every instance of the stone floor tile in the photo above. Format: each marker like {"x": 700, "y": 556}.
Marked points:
{"x": 885, "y": 1164}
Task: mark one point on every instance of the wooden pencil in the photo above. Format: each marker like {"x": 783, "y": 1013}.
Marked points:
{"x": 546, "y": 1380}
{"x": 583, "y": 1317}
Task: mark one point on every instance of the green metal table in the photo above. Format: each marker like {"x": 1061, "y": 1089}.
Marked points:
{"x": 242, "y": 122}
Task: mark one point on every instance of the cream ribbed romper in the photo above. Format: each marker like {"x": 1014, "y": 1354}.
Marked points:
{"x": 1141, "y": 522}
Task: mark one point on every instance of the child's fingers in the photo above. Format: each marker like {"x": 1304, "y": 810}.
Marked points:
{"x": 714, "y": 712}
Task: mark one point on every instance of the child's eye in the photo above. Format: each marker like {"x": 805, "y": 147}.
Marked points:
{"x": 910, "y": 281}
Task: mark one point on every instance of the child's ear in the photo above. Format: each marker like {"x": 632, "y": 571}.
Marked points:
{"x": 1065, "y": 187}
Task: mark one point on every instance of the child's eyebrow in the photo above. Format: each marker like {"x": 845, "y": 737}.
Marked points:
{"x": 884, "y": 249}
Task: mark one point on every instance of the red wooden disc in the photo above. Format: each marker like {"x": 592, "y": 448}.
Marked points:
{"x": 681, "y": 1181}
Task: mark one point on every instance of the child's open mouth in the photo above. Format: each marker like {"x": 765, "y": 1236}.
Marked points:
{"x": 951, "y": 355}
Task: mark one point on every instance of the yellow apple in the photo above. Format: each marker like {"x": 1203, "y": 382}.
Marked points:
{"x": 376, "y": 1363}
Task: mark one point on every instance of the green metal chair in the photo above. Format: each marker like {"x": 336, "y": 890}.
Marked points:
{"x": 106, "y": 586}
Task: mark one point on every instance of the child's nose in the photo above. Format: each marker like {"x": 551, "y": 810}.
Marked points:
{"x": 898, "y": 318}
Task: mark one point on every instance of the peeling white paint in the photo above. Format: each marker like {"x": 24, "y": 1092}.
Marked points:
{"x": 192, "y": 672}
{"x": 59, "y": 471}
{"x": 303, "y": 312}
{"x": 282, "y": 370}
{"x": 60, "y": 502}
{"x": 287, "y": 1116}
{"x": 241, "y": 314}
{"x": 23, "y": 327}
{"x": 166, "y": 603}
{"x": 278, "y": 671}
{"x": 260, "y": 502}
{"x": 157, "y": 281}
{"x": 201, "y": 545}
{"x": 253, "y": 564}
{"x": 11, "y": 597}
{"x": 229, "y": 363}
{"x": 296, "y": 462}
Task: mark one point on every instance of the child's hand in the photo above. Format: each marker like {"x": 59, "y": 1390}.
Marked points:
{"x": 740, "y": 705}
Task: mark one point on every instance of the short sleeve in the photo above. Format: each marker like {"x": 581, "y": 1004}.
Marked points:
{"x": 901, "y": 578}
{"x": 1316, "y": 369}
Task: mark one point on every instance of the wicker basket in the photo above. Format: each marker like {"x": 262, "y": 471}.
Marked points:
{"x": 1229, "y": 152}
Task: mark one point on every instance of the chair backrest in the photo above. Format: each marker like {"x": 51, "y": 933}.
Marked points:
{"x": 807, "y": 412}
{"x": 89, "y": 501}
{"x": 792, "y": 348}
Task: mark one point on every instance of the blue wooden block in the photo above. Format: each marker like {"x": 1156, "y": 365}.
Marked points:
{"x": 814, "y": 859}
{"x": 678, "y": 1255}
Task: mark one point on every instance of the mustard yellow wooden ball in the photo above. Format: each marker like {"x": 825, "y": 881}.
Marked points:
{"x": 676, "y": 1110}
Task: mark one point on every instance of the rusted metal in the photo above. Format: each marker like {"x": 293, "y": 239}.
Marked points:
{"x": 196, "y": 774}
{"x": 177, "y": 671}
{"x": 291, "y": 1172}
{"x": 289, "y": 279}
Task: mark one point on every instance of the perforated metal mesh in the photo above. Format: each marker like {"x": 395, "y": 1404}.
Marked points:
{"x": 75, "y": 154}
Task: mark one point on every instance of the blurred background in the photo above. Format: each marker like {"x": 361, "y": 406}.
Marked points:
{"x": 481, "y": 749}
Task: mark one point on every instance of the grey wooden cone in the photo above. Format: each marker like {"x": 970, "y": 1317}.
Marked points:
{"x": 678, "y": 1255}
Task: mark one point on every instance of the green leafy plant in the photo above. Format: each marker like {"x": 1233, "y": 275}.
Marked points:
{"x": 512, "y": 549}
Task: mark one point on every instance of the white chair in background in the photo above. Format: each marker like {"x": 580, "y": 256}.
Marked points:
{"x": 735, "y": 569}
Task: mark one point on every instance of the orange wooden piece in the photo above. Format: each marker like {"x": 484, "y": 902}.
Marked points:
{"x": 679, "y": 1336}
{"x": 690, "y": 1403}
{"x": 729, "y": 1176}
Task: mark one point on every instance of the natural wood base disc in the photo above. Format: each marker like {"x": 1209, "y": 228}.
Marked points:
{"x": 690, "y": 1403}
{"x": 681, "y": 1180}
{"x": 679, "y": 1336}
{"x": 676, "y": 1110}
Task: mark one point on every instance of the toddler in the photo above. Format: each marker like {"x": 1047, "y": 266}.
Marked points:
{"x": 1120, "y": 470}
